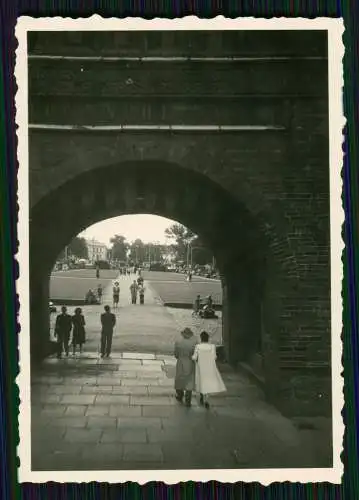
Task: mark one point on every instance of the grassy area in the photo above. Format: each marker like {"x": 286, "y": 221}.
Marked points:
{"x": 75, "y": 283}
{"x": 173, "y": 288}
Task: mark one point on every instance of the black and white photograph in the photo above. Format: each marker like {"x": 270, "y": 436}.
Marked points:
{"x": 180, "y": 249}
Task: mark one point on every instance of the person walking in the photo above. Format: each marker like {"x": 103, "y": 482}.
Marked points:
{"x": 208, "y": 380}
{"x": 97, "y": 272}
{"x": 99, "y": 293}
{"x": 141, "y": 293}
{"x": 108, "y": 322}
{"x": 185, "y": 366}
{"x": 78, "y": 332}
{"x": 133, "y": 290}
{"x": 63, "y": 327}
{"x": 116, "y": 294}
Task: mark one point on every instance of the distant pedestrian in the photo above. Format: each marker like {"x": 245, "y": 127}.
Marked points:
{"x": 197, "y": 305}
{"x": 208, "y": 380}
{"x": 133, "y": 291}
{"x": 97, "y": 272}
{"x": 108, "y": 322}
{"x": 116, "y": 294}
{"x": 63, "y": 327}
{"x": 141, "y": 293}
{"x": 99, "y": 293}
{"x": 78, "y": 332}
{"x": 185, "y": 366}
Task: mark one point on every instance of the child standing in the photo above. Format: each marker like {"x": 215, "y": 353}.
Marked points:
{"x": 208, "y": 379}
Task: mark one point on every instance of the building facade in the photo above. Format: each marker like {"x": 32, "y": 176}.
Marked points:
{"x": 96, "y": 250}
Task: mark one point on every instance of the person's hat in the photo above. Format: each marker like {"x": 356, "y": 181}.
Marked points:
{"x": 187, "y": 333}
{"x": 116, "y": 282}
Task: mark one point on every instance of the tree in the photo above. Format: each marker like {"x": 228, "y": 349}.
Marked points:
{"x": 182, "y": 236}
{"x": 188, "y": 245}
{"x": 78, "y": 248}
{"x": 119, "y": 247}
{"x": 137, "y": 251}
{"x": 200, "y": 254}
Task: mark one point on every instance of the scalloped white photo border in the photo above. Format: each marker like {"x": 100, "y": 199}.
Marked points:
{"x": 335, "y": 29}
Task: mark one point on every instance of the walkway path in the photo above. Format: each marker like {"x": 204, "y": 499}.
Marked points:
{"x": 146, "y": 328}
{"x": 120, "y": 413}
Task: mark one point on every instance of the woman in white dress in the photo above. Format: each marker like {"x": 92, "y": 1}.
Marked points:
{"x": 208, "y": 380}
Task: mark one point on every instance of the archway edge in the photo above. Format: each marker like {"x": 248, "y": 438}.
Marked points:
{"x": 269, "y": 221}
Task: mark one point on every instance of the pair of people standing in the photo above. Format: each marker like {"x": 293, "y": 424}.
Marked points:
{"x": 137, "y": 288}
{"x": 196, "y": 368}
{"x": 63, "y": 326}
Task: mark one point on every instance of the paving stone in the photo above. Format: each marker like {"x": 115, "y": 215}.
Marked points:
{"x": 103, "y": 382}
{"x": 80, "y": 399}
{"x": 156, "y": 362}
{"x": 74, "y": 410}
{"x": 169, "y": 435}
{"x": 138, "y": 355}
{"x": 166, "y": 382}
{"x": 129, "y": 362}
{"x": 131, "y": 390}
{"x": 65, "y": 389}
{"x": 125, "y": 411}
{"x": 142, "y": 453}
{"x": 158, "y": 411}
{"x": 111, "y": 436}
{"x": 69, "y": 422}
{"x": 139, "y": 422}
{"x": 46, "y": 435}
{"x": 136, "y": 382}
{"x": 112, "y": 399}
{"x": 83, "y": 435}
{"x": 101, "y": 422}
{"x": 150, "y": 368}
{"x": 50, "y": 398}
{"x": 160, "y": 391}
{"x": 126, "y": 374}
{"x": 52, "y": 411}
{"x": 96, "y": 389}
{"x": 133, "y": 436}
{"x": 97, "y": 411}
{"x": 149, "y": 375}
{"x": 150, "y": 401}
{"x": 102, "y": 453}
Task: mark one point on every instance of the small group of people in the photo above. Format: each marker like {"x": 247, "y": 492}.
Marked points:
{"x": 137, "y": 288}
{"x": 65, "y": 323}
{"x": 196, "y": 368}
{"x": 204, "y": 309}
{"x": 94, "y": 297}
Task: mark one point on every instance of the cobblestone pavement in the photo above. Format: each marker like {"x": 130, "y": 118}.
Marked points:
{"x": 121, "y": 414}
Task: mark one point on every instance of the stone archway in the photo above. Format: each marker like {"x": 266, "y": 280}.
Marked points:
{"x": 234, "y": 235}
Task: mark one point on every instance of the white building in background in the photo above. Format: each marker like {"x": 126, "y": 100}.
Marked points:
{"x": 96, "y": 250}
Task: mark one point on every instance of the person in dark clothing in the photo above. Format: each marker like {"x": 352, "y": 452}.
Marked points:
{"x": 99, "y": 293}
{"x": 63, "y": 327}
{"x": 108, "y": 321}
{"x": 78, "y": 332}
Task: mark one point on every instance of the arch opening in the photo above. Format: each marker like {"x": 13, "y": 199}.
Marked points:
{"x": 223, "y": 223}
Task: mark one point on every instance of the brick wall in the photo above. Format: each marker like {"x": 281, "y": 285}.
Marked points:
{"x": 272, "y": 237}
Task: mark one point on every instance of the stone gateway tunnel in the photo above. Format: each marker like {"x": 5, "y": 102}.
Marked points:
{"x": 226, "y": 132}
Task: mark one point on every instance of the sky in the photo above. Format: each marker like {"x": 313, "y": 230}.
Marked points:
{"x": 148, "y": 228}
